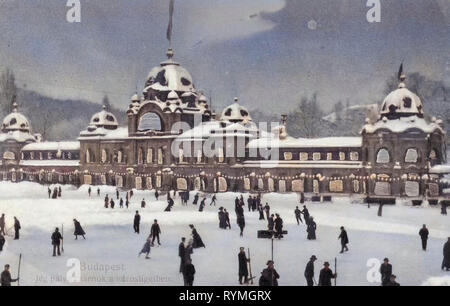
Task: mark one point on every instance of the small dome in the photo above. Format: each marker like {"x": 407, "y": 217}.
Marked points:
{"x": 104, "y": 119}
{"x": 172, "y": 95}
{"x": 401, "y": 103}
{"x": 135, "y": 98}
{"x": 202, "y": 99}
{"x": 236, "y": 113}
{"x": 16, "y": 122}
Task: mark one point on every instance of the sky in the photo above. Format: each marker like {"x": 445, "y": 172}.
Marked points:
{"x": 269, "y": 53}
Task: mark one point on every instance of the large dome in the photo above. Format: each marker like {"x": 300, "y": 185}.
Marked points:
{"x": 401, "y": 103}
{"x": 104, "y": 119}
{"x": 236, "y": 113}
{"x": 170, "y": 76}
{"x": 16, "y": 122}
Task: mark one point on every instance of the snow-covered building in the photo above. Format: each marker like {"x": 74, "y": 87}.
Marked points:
{"x": 173, "y": 140}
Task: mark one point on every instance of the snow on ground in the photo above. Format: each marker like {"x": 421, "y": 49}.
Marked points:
{"x": 109, "y": 255}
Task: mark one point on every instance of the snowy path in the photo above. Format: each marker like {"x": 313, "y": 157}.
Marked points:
{"x": 111, "y": 243}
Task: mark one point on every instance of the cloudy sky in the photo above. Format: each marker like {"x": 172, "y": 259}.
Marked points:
{"x": 269, "y": 53}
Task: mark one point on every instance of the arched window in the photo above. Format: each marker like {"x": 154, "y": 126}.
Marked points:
{"x": 88, "y": 156}
{"x": 140, "y": 156}
{"x": 383, "y": 156}
{"x": 411, "y": 156}
{"x": 150, "y": 156}
{"x": 104, "y": 156}
{"x": 150, "y": 122}
{"x": 120, "y": 156}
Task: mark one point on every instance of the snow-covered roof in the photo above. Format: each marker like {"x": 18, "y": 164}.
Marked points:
{"x": 53, "y": 146}
{"x": 104, "y": 119}
{"x": 403, "y": 124}
{"x": 235, "y": 113}
{"x": 15, "y": 121}
{"x": 291, "y": 142}
{"x": 219, "y": 129}
{"x": 17, "y": 136}
{"x": 402, "y": 100}
{"x": 50, "y": 163}
{"x": 440, "y": 169}
{"x": 119, "y": 133}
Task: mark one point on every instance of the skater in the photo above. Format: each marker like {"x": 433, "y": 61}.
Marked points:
{"x": 143, "y": 203}
{"x": 112, "y": 203}
{"x": 278, "y": 227}
{"x": 239, "y": 210}
{"x": 78, "y": 230}
{"x": 222, "y": 219}
{"x": 269, "y": 276}
{"x": 181, "y": 253}
{"x": 59, "y": 191}
{"x": 249, "y": 203}
{"x": 2, "y": 224}
{"x": 309, "y": 271}
{"x": 49, "y": 191}
{"x": 227, "y": 219}
{"x": 146, "y": 248}
{"x": 243, "y": 268}
{"x": 89, "y": 191}
{"x": 2, "y": 242}
{"x": 267, "y": 209}
{"x": 311, "y": 229}
{"x": 241, "y": 224}
{"x": 121, "y": 203}
{"x": 344, "y": 240}
{"x": 6, "y": 279}
{"x": 306, "y": 214}
{"x": 423, "y": 233}
{"x": 188, "y": 274}
{"x": 136, "y": 223}
{"x": 202, "y": 205}
{"x": 106, "y": 201}
{"x": 326, "y": 275}
{"x": 55, "y": 193}
{"x": 155, "y": 231}
{"x": 131, "y": 193}
{"x": 117, "y": 194}
{"x": 386, "y": 272}
{"x": 195, "y": 199}
{"x": 156, "y": 195}
{"x": 127, "y": 203}
{"x": 261, "y": 211}
{"x": 213, "y": 200}
{"x": 98, "y": 192}
{"x": 392, "y": 281}
{"x": 270, "y": 222}
{"x": 17, "y": 228}
{"x": 443, "y": 208}
{"x": 298, "y": 215}
{"x": 197, "y": 243}
{"x": 170, "y": 204}
{"x": 446, "y": 253}
{"x": 56, "y": 242}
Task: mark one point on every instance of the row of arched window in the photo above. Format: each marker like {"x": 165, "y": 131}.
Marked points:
{"x": 411, "y": 156}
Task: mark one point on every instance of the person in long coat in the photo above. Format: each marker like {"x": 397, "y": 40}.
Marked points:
{"x": 423, "y": 233}
{"x": 202, "y": 205}
{"x": 227, "y": 218}
{"x": 261, "y": 211}
{"x": 309, "y": 271}
{"x": 241, "y": 224}
{"x": 243, "y": 267}
{"x": 17, "y": 228}
{"x": 270, "y": 223}
{"x": 5, "y": 278}
{"x": 78, "y": 230}
{"x": 2, "y": 242}
{"x": 2, "y": 224}
{"x": 198, "y": 242}
{"x": 181, "y": 254}
{"x": 278, "y": 227}
{"x": 305, "y": 213}
{"x": 344, "y": 240}
{"x": 269, "y": 276}
{"x": 222, "y": 219}
{"x": 311, "y": 229}
{"x": 146, "y": 248}
{"x": 188, "y": 274}
{"x": 446, "y": 253}
{"x": 386, "y": 272}
{"x": 267, "y": 210}
{"x": 326, "y": 275}
{"x": 196, "y": 197}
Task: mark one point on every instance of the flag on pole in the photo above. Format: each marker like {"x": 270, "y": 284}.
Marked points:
{"x": 170, "y": 26}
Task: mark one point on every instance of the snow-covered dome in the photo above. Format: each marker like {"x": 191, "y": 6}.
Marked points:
{"x": 170, "y": 76}
{"x": 236, "y": 113}
{"x": 104, "y": 119}
{"x": 401, "y": 103}
{"x": 16, "y": 121}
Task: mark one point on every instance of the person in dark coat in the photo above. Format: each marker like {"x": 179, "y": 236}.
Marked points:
{"x": 326, "y": 275}
{"x": 306, "y": 214}
{"x": 254, "y": 203}
{"x": 56, "y": 242}
{"x": 386, "y": 272}
{"x": 267, "y": 210}
{"x": 393, "y": 282}
{"x": 261, "y": 211}
{"x": 188, "y": 274}
{"x": 196, "y": 197}
{"x": 2, "y": 242}
{"x": 6, "y": 279}
{"x": 136, "y": 223}
{"x": 298, "y": 215}
{"x": 227, "y": 219}
{"x": 17, "y": 229}
{"x": 278, "y": 227}
{"x": 270, "y": 222}
{"x": 156, "y": 195}
{"x": 202, "y": 205}
{"x": 311, "y": 229}
{"x": 55, "y": 193}
{"x": 243, "y": 267}
{"x": 181, "y": 254}
{"x": 106, "y": 201}
{"x": 446, "y": 253}
{"x": 89, "y": 191}
{"x": 309, "y": 271}
{"x": 239, "y": 211}
{"x": 198, "y": 242}
{"x": 117, "y": 194}
{"x": 250, "y": 203}
{"x": 237, "y": 203}
{"x": 213, "y": 200}
{"x": 241, "y": 224}
{"x": 78, "y": 230}
{"x": 443, "y": 208}
{"x": 155, "y": 231}
{"x": 98, "y": 192}
{"x": 127, "y": 203}
{"x": 143, "y": 203}
{"x": 49, "y": 192}
{"x": 121, "y": 203}
{"x": 131, "y": 193}
{"x": 146, "y": 248}
{"x": 344, "y": 240}
{"x": 112, "y": 203}
{"x": 59, "y": 191}
{"x": 423, "y": 233}
{"x": 222, "y": 219}
{"x": 2, "y": 224}
{"x": 269, "y": 276}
